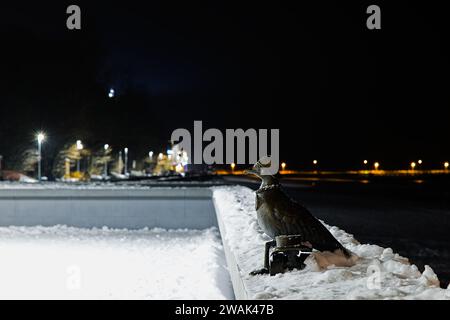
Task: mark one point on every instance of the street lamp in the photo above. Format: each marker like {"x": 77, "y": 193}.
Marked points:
{"x": 40, "y": 137}
{"x": 413, "y": 166}
{"x": 366, "y": 162}
{"x": 283, "y": 166}
{"x": 446, "y": 165}
{"x": 79, "y": 148}
{"x": 419, "y": 162}
{"x": 376, "y": 165}
{"x": 233, "y": 166}
{"x": 150, "y": 155}
{"x": 106, "y": 147}
{"x": 315, "y": 162}
{"x": 125, "y": 171}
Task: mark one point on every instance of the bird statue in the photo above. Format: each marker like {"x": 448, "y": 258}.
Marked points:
{"x": 279, "y": 215}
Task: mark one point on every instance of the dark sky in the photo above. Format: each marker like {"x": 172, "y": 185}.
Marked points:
{"x": 337, "y": 91}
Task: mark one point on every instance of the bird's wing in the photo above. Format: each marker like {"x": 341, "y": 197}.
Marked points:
{"x": 296, "y": 219}
{"x": 258, "y": 202}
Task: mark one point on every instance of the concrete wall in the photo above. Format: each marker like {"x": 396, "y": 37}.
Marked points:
{"x": 240, "y": 291}
{"x": 169, "y": 208}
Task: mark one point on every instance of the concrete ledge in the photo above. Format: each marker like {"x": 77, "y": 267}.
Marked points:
{"x": 170, "y": 208}
{"x": 81, "y": 194}
{"x": 240, "y": 291}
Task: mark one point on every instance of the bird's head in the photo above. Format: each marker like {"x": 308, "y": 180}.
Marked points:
{"x": 256, "y": 170}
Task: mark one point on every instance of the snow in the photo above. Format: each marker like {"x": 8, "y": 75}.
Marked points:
{"x": 374, "y": 273}
{"x": 25, "y": 179}
{"x": 69, "y": 263}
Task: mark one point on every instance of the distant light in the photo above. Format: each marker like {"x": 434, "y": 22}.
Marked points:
{"x": 446, "y": 164}
{"x": 169, "y": 152}
{"x": 79, "y": 145}
{"x": 315, "y": 162}
{"x": 283, "y": 166}
{"x": 366, "y": 162}
{"x": 150, "y": 154}
{"x": 179, "y": 168}
{"x": 376, "y": 165}
{"x": 413, "y": 165}
{"x": 40, "y": 137}
{"x": 233, "y": 165}
{"x": 126, "y": 150}
{"x": 419, "y": 162}
{"x": 160, "y": 156}
{"x": 111, "y": 93}
{"x": 106, "y": 147}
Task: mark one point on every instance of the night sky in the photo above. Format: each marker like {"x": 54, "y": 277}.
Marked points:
{"x": 337, "y": 91}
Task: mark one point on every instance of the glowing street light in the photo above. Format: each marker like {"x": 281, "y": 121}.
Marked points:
{"x": 40, "y": 137}
{"x": 233, "y": 166}
{"x": 315, "y": 162}
{"x": 150, "y": 155}
{"x": 79, "y": 148}
{"x": 283, "y": 166}
{"x": 161, "y": 156}
{"x": 446, "y": 165}
{"x": 365, "y": 162}
{"x": 419, "y": 162}
{"x": 376, "y": 165}
{"x": 106, "y": 147}
{"x": 413, "y": 165}
{"x": 126, "y": 161}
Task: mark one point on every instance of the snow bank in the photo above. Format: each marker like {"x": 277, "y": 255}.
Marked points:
{"x": 70, "y": 263}
{"x": 25, "y": 179}
{"x": 379, "y": 273}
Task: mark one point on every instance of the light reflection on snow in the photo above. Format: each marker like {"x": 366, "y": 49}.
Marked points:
{"x": 71, "y": 263}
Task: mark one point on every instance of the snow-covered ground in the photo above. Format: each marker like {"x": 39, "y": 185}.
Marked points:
{"x": 70, "y": 263}
{"x": 62, "y": 262}
{"x": 379, "y": 273}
